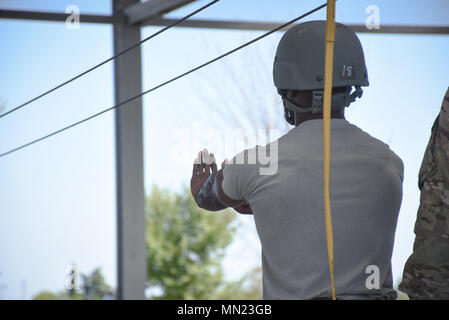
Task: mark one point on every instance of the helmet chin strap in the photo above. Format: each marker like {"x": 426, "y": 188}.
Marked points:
{"x": 340, "y": 100}
{"x": 289, "y": 115}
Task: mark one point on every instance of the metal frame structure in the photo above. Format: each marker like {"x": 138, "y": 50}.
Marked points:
{"x": 134, "y": 16}
{"x": 131, "y": 262}
{"x": 127, "y": 19}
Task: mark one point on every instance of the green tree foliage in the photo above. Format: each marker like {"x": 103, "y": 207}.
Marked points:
{"x": 93, "y": 287}
{"x": 185, "y": 245}
{"x": 46, "y": 295}
{"x": 249, "y": 287}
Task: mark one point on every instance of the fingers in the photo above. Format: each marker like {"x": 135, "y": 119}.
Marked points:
{"x": 213, "y": 164}
{"x": 204, "y": 163}
{"x": 197, "y": 166}
{"x": 224, "y": 163}
{"x": 210, "y": 162}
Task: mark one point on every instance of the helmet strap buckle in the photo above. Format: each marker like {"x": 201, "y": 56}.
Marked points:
{"x": 289, "y": 116}
{"x": 358, "y": 92}
{"x": 317, "y": 101}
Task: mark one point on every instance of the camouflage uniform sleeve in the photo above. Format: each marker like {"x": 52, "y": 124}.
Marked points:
{"x": 426, "y": 272}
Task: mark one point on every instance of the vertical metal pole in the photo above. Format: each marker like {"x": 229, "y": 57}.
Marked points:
{"x": 131, "y": 252}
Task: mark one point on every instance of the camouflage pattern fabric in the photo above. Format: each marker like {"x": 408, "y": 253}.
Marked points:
{"x": 426, "y": 273}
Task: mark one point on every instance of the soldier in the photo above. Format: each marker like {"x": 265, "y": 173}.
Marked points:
{"x": 287, "y": 202}
{"x": 426, "y": 273}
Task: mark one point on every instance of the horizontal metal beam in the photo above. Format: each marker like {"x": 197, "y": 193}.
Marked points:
{"x": 265, "y": 26}
{"x": 60, "y": 17}
{"x": 214, "y": 24}
{"x": 142, "y": 11}
{"x": 398, "y": 29}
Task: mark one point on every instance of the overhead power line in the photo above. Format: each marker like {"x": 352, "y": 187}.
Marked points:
{"x": 168, "y": 81}
{"x": 111, "y": 58}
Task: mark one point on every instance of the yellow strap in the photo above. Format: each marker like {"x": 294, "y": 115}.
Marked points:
{"x": 328, "y": 68}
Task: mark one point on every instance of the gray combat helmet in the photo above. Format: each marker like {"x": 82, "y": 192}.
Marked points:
{"x": 299, "y": 65}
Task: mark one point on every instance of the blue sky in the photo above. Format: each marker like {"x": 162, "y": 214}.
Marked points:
{"x": 57, "y": 203}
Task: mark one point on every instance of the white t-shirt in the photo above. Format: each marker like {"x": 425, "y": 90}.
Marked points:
{"x": 286, "y": 198}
